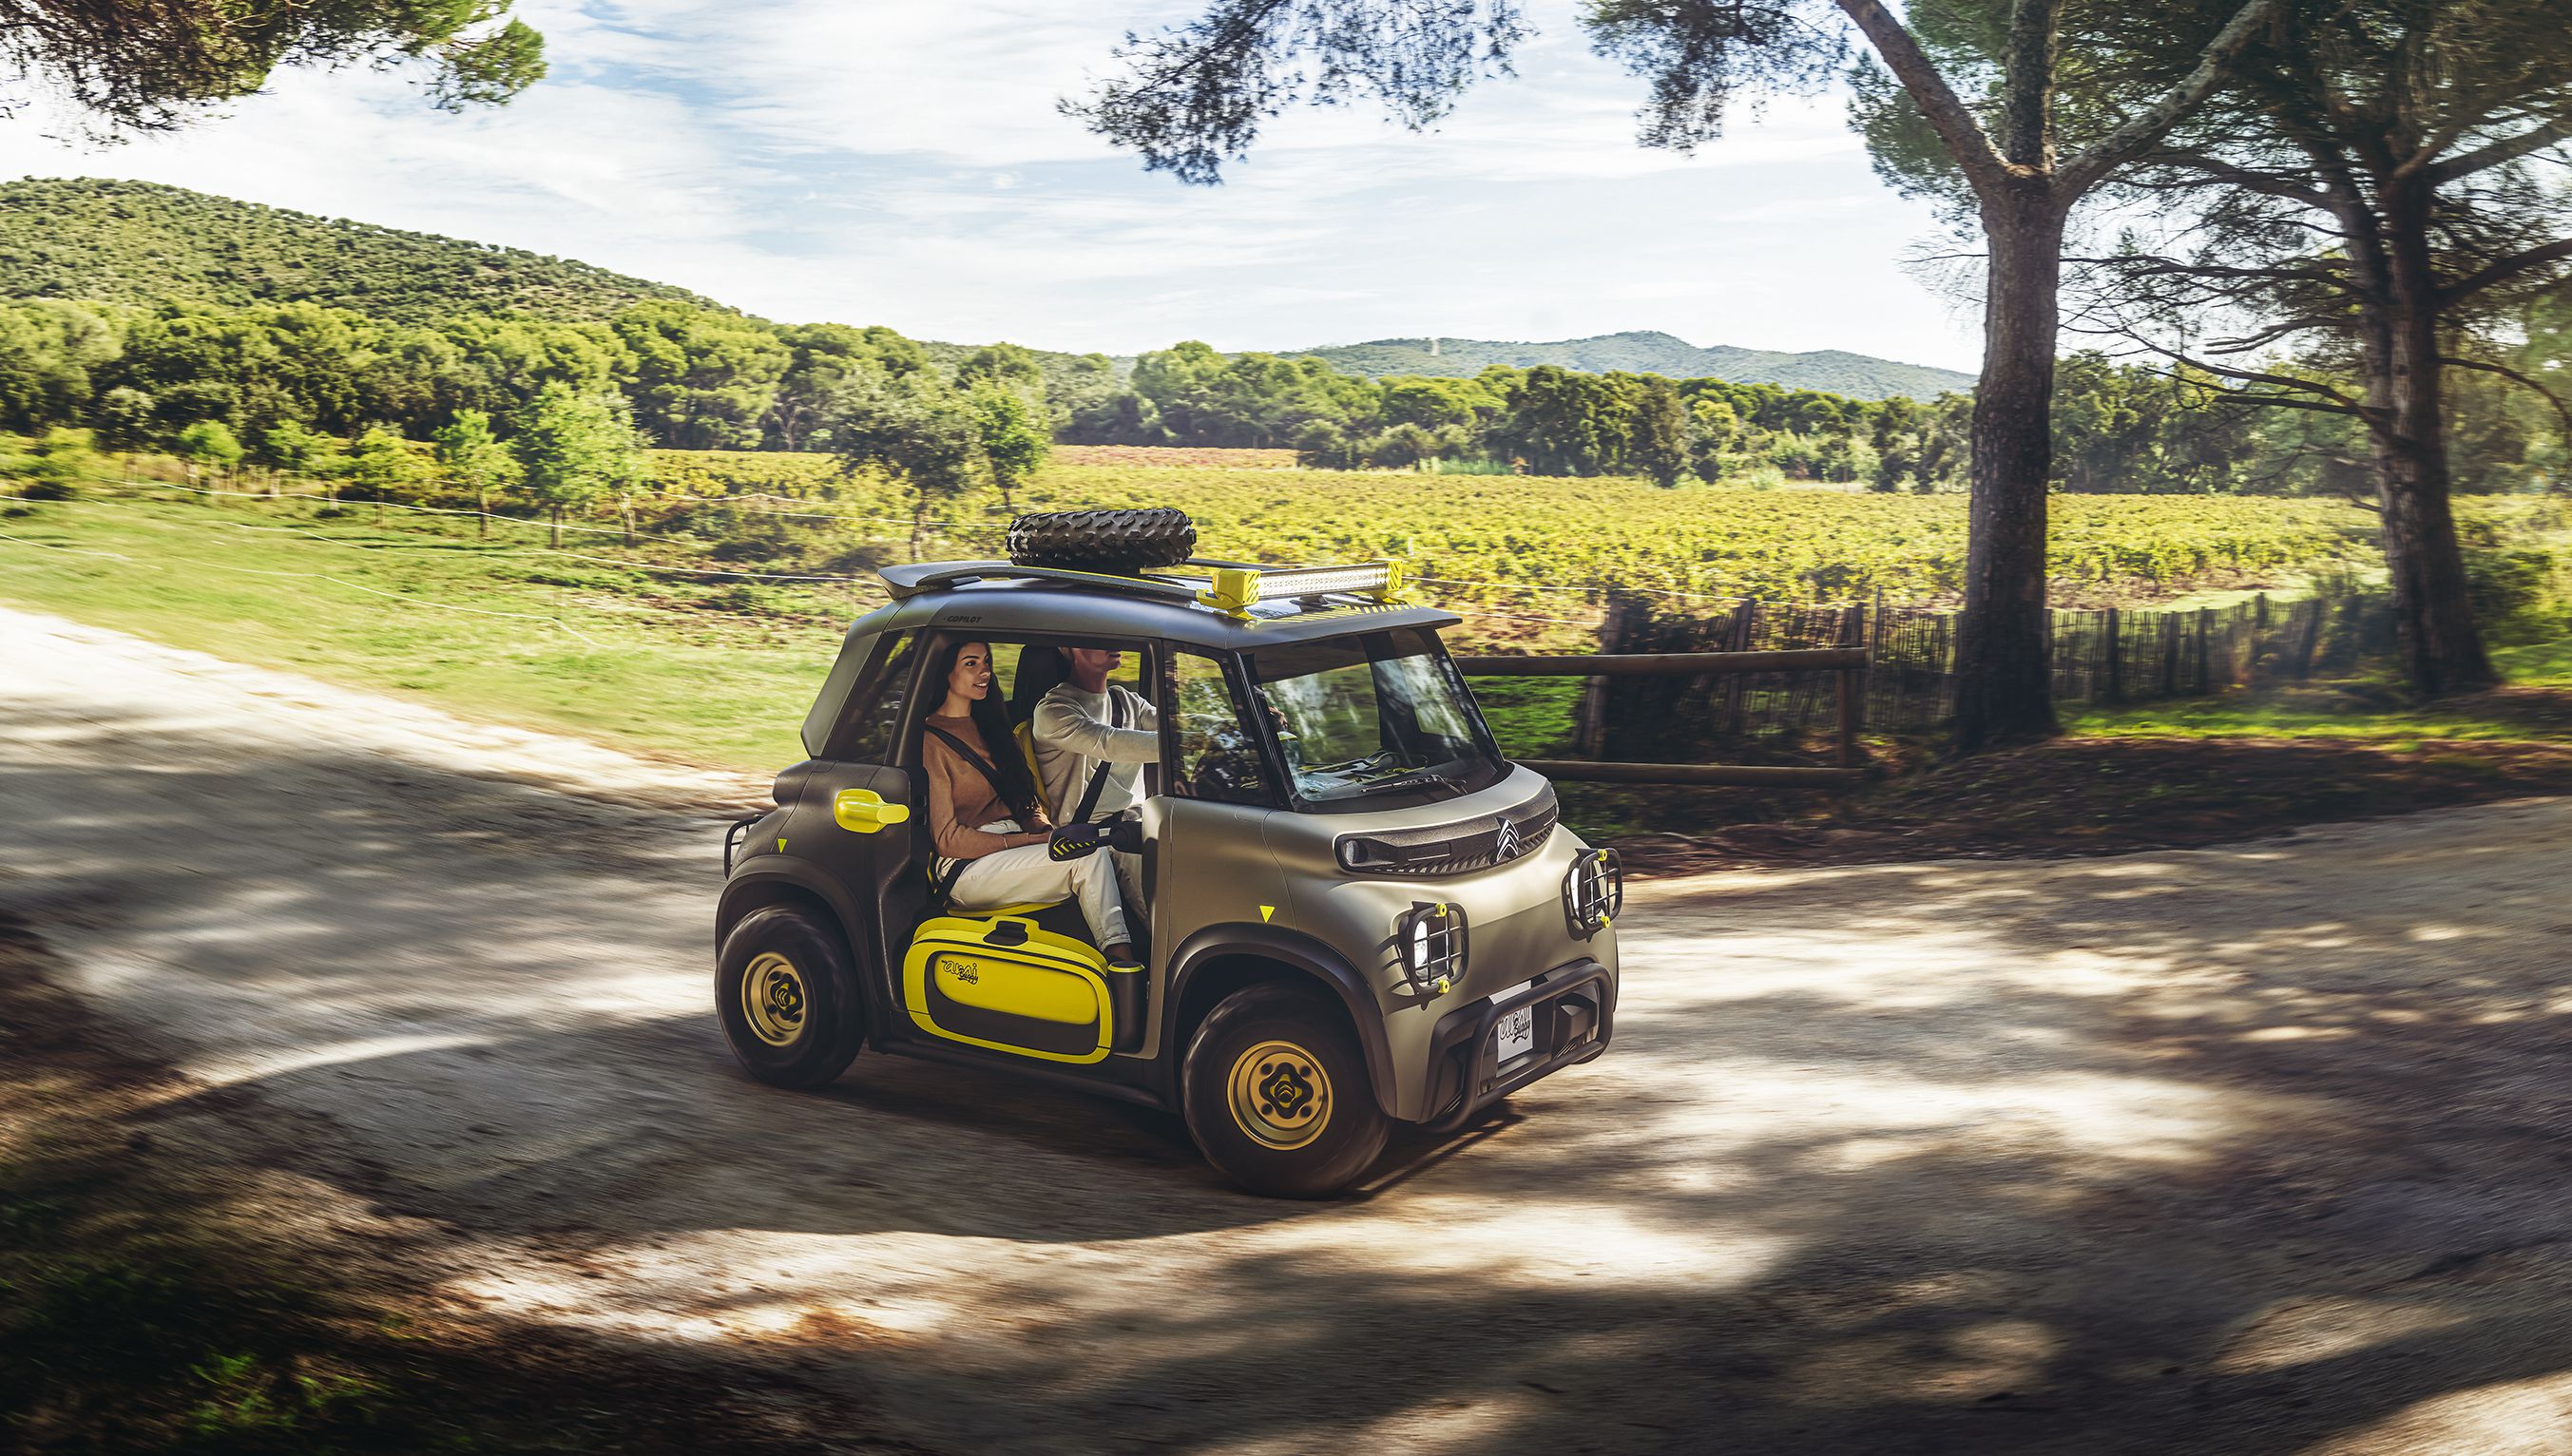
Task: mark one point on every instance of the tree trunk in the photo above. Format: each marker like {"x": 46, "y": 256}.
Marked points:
{"x": 2434, "y": 631}
{"x": 482, "y": 512}
{"x": 557, "y": 525}
{"x": 625, "y": 509}
{"x": 2001, "y": 689}
{"x": 919, "y": 520}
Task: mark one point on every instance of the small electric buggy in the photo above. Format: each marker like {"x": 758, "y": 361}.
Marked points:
{"x": 1353, "y": 911}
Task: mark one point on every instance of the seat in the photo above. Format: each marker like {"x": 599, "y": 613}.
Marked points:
{"x": 1064, "y": 918}
{"x": 1026, "y": 736}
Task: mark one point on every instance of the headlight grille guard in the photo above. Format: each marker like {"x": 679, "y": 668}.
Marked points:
{"x": 1443, "y": 964}
{"x": 1594, "y": 892}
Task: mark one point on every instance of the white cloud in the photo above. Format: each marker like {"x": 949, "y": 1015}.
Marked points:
{"x": 905, "y": 164}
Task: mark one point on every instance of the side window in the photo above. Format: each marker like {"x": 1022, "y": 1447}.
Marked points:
{"x": 875, "y": 705}
{"x": 1212, "y": 754}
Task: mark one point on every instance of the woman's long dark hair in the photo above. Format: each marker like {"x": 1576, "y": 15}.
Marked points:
{"x": 990, "y": 714}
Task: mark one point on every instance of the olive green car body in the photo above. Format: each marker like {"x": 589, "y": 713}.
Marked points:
{"x": 1238, "y": 894}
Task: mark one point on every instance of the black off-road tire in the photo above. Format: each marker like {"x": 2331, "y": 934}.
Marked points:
{"x": 1353, "y": 1128}
{"x": 1119, "y": 541}
{"x": 830, "y": 1021}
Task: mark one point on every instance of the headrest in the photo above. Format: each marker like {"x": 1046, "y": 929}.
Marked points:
{"x": 1040, "y": 670}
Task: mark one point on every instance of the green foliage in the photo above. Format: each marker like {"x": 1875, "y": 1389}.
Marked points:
{"x": 700, "y": 379}
{"x": 466, "y": 338}
{"x": 576, "y": 449}
{"x": 1010, "y": 429}
{"x": 124, "y": 418}
{"x": 48, "y": 351}
{"x": 53, "y": 466}
{"x": 139, "y": 243}
{"x": 208, "y": 445}
{"x": 154, "y": 67}
{"x": 915, "y": 431}
{"x": 468, "y": 454}
{"x": 290, "y": 447}
{"x": 382, "y": 466}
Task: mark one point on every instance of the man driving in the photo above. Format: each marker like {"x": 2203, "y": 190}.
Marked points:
{"x": 1086, "y": 724}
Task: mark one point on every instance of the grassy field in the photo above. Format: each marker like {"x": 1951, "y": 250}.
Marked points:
{"x": 489, "y": 630}
{"x": 690, "y": 645}
{"x": 1527, "y": 553}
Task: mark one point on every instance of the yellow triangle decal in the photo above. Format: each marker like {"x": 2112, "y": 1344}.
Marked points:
{"x": 781, "y": 846}
{"x": 1265, "y": 912}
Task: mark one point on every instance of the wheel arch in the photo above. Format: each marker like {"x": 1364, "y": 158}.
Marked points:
{"x": 1222, "y": 958}
{"x": 794, "y": 886}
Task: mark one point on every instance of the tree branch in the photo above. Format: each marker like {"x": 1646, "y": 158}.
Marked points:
{"x": 2503, "y": 269}
{"x": 2535, "y": 139}
{"x": 2265, "y": 182}
{"x": 2333, "y": 402}
{"x": 2121, "y": 146}
{"x": 2562, "y": 410}
{"x": 2274, "y": 331}
{"x": 1984, "y": 168}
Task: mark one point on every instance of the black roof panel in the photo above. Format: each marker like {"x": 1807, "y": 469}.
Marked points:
{"x": 1018, "y": 605}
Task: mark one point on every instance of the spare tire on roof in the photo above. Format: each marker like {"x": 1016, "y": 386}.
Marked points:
{"x": 1121, "y": 541}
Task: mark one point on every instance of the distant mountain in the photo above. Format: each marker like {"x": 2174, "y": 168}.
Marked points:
{"x": 1649, "y": 352}
{"x": 142, "y": 243}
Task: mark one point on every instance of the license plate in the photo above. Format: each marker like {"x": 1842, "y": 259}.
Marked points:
{"x": 1516, "y": 1034}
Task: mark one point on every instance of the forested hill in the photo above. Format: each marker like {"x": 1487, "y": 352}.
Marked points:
{"x": 142, "y": 243}
{"x": 1831, "y": 371}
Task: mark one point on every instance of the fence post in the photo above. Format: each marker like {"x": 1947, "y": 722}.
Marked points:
{"x": 2205, "y": 650}
{"x": 1590, "y": 728}
{"x": 1852, "y": 686}
{"x": 2115, "y": 660}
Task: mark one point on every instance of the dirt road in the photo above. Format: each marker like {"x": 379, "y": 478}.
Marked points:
{"x": 2256, "y": 1150}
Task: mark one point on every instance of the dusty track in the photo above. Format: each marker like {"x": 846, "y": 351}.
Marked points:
{"x": 2261, "y": 1149}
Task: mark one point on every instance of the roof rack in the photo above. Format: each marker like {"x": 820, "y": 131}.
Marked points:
{"x": 911, "y": 581}
{"x": 1230, "y": 587}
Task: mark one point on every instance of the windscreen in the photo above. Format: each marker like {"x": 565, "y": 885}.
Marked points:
{"x": 1378, "y": 713}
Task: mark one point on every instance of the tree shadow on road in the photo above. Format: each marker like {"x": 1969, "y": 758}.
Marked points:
{"x": 2183, "y": 1153}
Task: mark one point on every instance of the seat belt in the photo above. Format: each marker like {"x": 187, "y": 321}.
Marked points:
{"x": 1099, "y": 779}
{"x": 941, "y": 885}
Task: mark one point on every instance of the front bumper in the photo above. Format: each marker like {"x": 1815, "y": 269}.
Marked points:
{"x": 1576, "y": 1008}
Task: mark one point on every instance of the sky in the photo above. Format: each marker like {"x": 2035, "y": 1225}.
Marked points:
{"x": 903, "y": 163}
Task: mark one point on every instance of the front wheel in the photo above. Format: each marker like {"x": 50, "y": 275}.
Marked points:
{"x": 1276, "y": 1094}
{"x": 787, "y": 999}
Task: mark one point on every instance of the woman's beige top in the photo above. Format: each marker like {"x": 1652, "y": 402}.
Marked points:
{"x": 960, "y": 798}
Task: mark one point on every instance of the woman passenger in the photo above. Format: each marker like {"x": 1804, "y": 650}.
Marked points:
{"x": 984, "y": 812}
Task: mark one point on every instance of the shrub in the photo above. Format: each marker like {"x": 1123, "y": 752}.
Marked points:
{"x": 2506, "y": 587}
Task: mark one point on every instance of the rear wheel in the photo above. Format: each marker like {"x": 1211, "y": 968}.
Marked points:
{"x": 1276, "y": 1094}
{"x": 787, "y": 999}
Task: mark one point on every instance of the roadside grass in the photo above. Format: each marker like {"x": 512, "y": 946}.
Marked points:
{"x": 489, "y": 630}
{"x": 2373, "y": 710}
{"x": 164, "y": 1292}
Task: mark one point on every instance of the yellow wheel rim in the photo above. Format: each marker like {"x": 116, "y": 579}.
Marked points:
{"x": 1279, "y": 1095}
{"x": 773, "y": 1000}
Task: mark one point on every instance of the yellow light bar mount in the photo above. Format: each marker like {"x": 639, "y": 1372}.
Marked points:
{"x": 1232, "y": 590}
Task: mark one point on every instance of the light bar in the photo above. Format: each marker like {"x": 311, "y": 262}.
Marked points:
{"x": 1233, "y": 589}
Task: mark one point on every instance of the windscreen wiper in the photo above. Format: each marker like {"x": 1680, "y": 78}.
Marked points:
{"x": 1422, "y": 780}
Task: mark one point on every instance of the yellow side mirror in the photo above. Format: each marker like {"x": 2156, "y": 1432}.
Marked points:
{"x": 864, "y": 811}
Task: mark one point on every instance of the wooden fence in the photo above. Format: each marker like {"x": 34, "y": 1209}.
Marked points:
{"x": 1766, "y": 681}
{"x": 1846, "y": 666}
